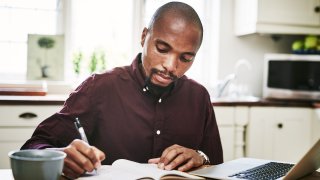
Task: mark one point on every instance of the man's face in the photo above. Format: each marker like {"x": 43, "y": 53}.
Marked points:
{"x": 169, "y": 49}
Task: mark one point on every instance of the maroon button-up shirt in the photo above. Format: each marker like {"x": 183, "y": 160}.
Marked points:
{"x": 122, "y": 118}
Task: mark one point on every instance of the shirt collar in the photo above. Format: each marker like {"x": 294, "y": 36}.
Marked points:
{"x": 135, "y": 71}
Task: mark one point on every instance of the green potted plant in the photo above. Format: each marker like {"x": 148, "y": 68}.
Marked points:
{"x": 97, "y": 62}
{"x": 46, "y": 43}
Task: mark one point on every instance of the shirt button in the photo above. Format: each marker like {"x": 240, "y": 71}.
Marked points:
{"x": 158, "y": 132}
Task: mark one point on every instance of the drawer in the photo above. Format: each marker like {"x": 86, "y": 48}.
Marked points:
{"x": 26, "y": 115}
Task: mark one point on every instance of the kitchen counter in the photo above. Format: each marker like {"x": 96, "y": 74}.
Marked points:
{"x": 52, "y": 99}
{"x": 57, "y": 99}
{"x": 268, "y": 102}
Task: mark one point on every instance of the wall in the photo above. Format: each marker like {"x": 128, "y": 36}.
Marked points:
{"x": 250, "y": 47}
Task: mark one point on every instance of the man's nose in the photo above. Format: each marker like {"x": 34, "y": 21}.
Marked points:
{"x": 171, "y": 63}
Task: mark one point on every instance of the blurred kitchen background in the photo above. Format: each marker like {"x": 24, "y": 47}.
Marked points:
{"x": 114, "y": 29}
{"x": 47, "y": 47}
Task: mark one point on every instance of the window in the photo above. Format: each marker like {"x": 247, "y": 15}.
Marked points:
{"x": 95, "y": 26}
{"x": 19, "y": 18}
{"x": 98, "y": 26}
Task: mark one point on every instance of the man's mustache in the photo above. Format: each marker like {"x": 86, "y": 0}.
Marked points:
{"x": 171, "y": 75}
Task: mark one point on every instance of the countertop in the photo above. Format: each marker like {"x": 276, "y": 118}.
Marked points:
{"x": 60, "y": 98}
{"x": 47, "y": 99}
{"x": 269, "y": 102}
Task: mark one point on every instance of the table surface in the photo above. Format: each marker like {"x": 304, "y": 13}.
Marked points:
{"x": 6, "y": 174}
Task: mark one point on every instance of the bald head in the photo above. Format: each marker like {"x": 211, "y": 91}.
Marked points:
{"x": 177, "y": 10}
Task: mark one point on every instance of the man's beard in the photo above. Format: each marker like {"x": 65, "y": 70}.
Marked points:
{"x": 156, "y": 71}
{"x": 158, "y": 90}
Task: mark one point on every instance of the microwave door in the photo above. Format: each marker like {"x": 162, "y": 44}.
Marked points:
{"x": 297, "y": 75}
{"x": 294, "y": 79}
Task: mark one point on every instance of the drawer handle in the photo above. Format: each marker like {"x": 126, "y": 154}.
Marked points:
{"x": 280, "y": 125}
{"x": 27, "y": 115}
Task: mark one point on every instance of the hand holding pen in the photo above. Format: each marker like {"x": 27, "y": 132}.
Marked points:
{"x": 83, "y": 137}
{"x": 81, "y": 157}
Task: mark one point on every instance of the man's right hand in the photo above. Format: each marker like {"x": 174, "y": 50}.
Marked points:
{"x": 81, "y": 158}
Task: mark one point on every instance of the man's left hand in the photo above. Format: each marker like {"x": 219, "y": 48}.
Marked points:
{"x": 178, "y": 157}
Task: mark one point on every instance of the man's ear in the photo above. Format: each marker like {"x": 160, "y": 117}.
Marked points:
{"x": 144, "y": 35}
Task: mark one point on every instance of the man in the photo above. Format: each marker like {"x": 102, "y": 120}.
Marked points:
{"x": 146, "y": 112}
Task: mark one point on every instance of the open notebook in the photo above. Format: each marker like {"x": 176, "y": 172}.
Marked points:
{"x": 250, "y": 168}
{"x": 123, "y": 169}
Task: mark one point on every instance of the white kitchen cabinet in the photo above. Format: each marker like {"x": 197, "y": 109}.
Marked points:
{"x": 231, "y": 121}
{"x": 17, "y": 124}
{"x": 277, "y": 17}
{"x": 315, "y": 125}
{"x": 279, "y": 133}
{"x": 226, "y": 125}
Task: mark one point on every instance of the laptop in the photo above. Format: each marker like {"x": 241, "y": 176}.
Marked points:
{"x": 252, "y": 168}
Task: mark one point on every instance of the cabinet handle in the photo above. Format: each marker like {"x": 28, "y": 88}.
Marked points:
{"x": 28, "y": 115}
{"x": 280, "y": 125}
{"x": 317, "y": 9}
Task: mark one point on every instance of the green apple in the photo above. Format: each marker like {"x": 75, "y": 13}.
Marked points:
{"x": 297, "y": 45}
{"x": 310, "y": 42}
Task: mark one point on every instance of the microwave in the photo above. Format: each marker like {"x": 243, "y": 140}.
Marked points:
{"x": 291, "y": 77}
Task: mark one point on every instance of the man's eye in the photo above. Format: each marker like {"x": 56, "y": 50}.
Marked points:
{"x": 162, "y": 50}
{"x": 185, "y": 59}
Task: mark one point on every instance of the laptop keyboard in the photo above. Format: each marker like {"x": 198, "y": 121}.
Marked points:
{"x": 269, "y": 171}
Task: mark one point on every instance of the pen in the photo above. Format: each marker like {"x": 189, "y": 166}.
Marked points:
{"x": 81, "y": 130}
{"x": 83, "y": 137}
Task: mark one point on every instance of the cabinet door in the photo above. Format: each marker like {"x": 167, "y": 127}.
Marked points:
{"x": 12, "y": 139}
{"x": 227, "y": 134}
{"x": 279, "y": 133}
{"x": 290, "y": 12}
{"x": 315, "y": 125}
{"x": 276, "y": 17}
{"x": 225, "y": 121}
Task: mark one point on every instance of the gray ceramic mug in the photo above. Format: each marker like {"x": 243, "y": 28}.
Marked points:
{"x": 36, "y": 164}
